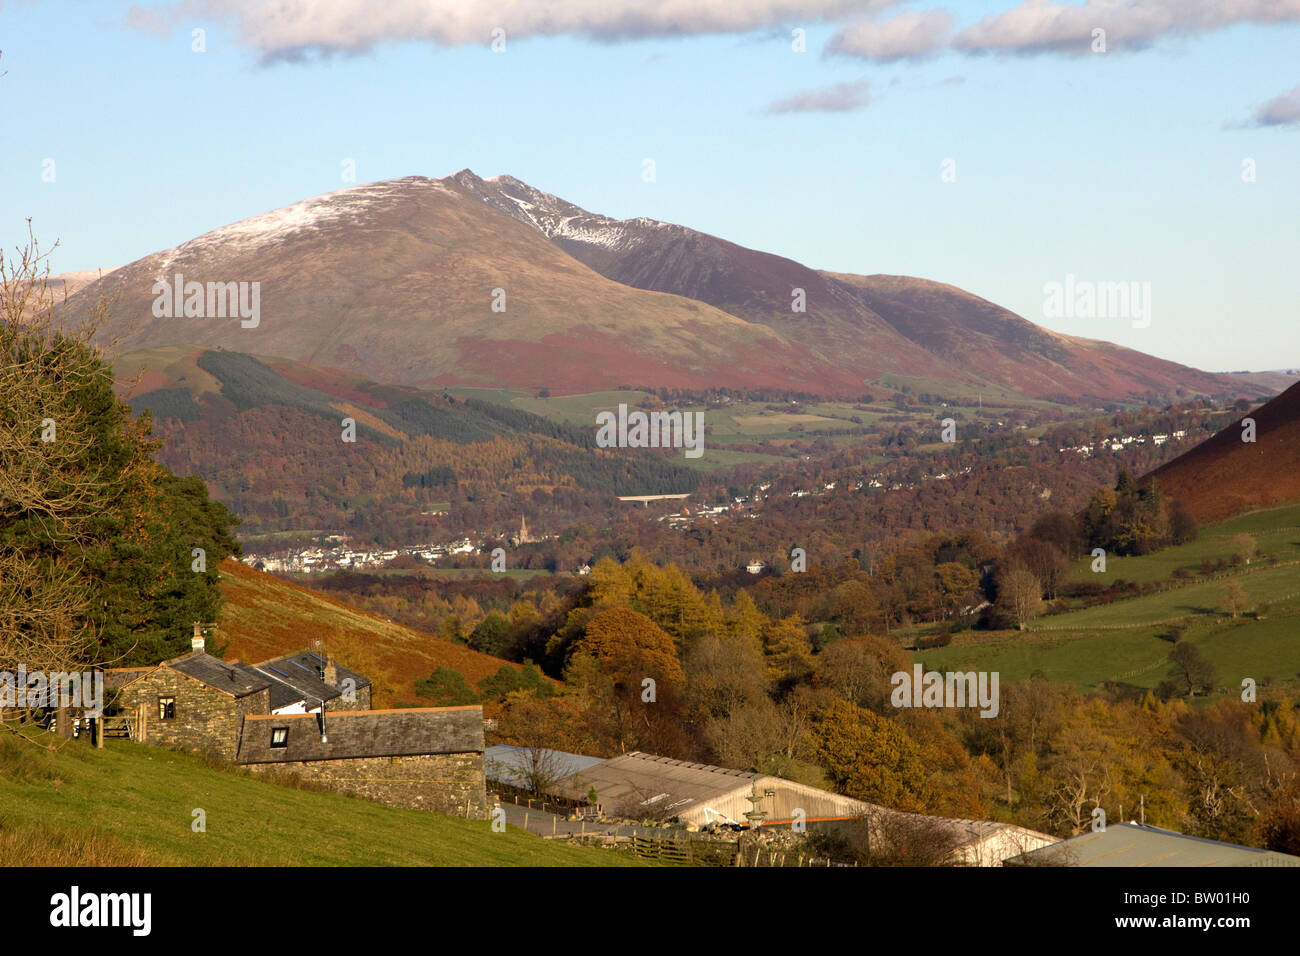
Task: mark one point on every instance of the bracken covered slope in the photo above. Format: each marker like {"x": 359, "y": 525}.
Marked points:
{"x": 1225, "y": 476}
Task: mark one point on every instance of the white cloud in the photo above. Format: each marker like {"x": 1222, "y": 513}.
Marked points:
{"x": 1282, "y": 110}
{"x": 840, "y": 98}
{"x": 910, "y": 34}
{"x": 290, "y": 29}
{"x": 1040, "y": 26}
{"x": 1054, "y": 26}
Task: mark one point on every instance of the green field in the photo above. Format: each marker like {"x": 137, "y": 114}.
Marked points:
{"x": 1261, "y": 649}
{"x": 714, "y": 458}
{"x": 749, "y": 422}
{"x": 1276, "y": 531}
{"x": 1126, "y": 641}
{"x": 130, "y": 804}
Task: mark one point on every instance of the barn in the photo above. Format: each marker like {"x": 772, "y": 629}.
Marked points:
{"x": 644, "y": 786}
{"x": 641, "y": 786}
{"x": 1137, "y": 844}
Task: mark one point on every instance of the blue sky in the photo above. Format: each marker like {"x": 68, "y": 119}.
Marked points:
{"x": 1115, "y": 166}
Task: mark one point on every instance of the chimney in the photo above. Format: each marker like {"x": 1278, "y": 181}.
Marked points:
{"x": 197, "y": 642}
{"x": 331, "y": 672}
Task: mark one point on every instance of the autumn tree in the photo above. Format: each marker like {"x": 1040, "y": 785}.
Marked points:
{"x": 1226, "y": 768}
{"x": 788, "y": 652}
{"x": 1243, "y": 548}
{"x": 1020, "y": 596}
{"x": 1234, "y": 599}
{"x": 955, "y": 586}
{"x": 627, "y": 667}
{"x": 1059, "y": 529}
{"x": 1042, "y": 559}
{"x": 859, "y": 670}
{"x": 630, "y": 647}
{"x": 871, "y": 758}
{"x": 723, "y": 674}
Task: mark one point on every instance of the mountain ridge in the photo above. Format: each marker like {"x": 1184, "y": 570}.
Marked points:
{"x": 400, "y": 281}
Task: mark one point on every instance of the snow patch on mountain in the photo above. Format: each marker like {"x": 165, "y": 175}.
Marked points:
{"x": 557, "y": 219}
{"x": 344, "y": 207}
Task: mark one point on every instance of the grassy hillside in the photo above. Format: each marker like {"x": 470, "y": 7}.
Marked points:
{"x": 1127, "y": 641}
{"x": 1276, "y": 531}
{"x": 133, "y": 805}
{"x": 264, "y": 616}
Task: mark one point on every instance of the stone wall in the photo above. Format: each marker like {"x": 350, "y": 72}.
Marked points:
{"x": 206, "y": 720}
{"x": 453, "y": 784}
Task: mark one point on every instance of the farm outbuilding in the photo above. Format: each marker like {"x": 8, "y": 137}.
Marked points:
{"x": 640, "y": 786}
{"x": 1136, "y": 844}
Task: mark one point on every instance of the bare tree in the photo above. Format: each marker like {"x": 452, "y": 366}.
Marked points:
{"x": 880, "y": 836}
{"x": 540, "y": 769}
{"x": 1020, "y": 595}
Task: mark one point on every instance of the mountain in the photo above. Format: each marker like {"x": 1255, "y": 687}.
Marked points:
{"x": 54, "y": 290}
{"x": 397, "y": 281}
{"x": 1225, "y": 476}
{"x": 1274, "y": 381}
{"x": 756, "y": 286}
{"x": 880, "y": 325}
{"x": 1008, "y": 350}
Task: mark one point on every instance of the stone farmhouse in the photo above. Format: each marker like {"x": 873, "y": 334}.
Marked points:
{"x": 306, "y": 716}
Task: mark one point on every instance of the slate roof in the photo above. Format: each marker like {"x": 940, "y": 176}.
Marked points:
{"x": 1135, "y": 844}
{"x": 115, "y": 678}
{"x": 300, "y": 675}
{"x": 363, "y": 733}
{"x": 233, "y": 679}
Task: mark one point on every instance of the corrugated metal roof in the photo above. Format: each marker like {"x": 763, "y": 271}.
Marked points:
{"x": 507, "y": 764}
{"x": 1134, "y": 844}
{"x": 645, "y": 785}
{"x": 363, "y": 733}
